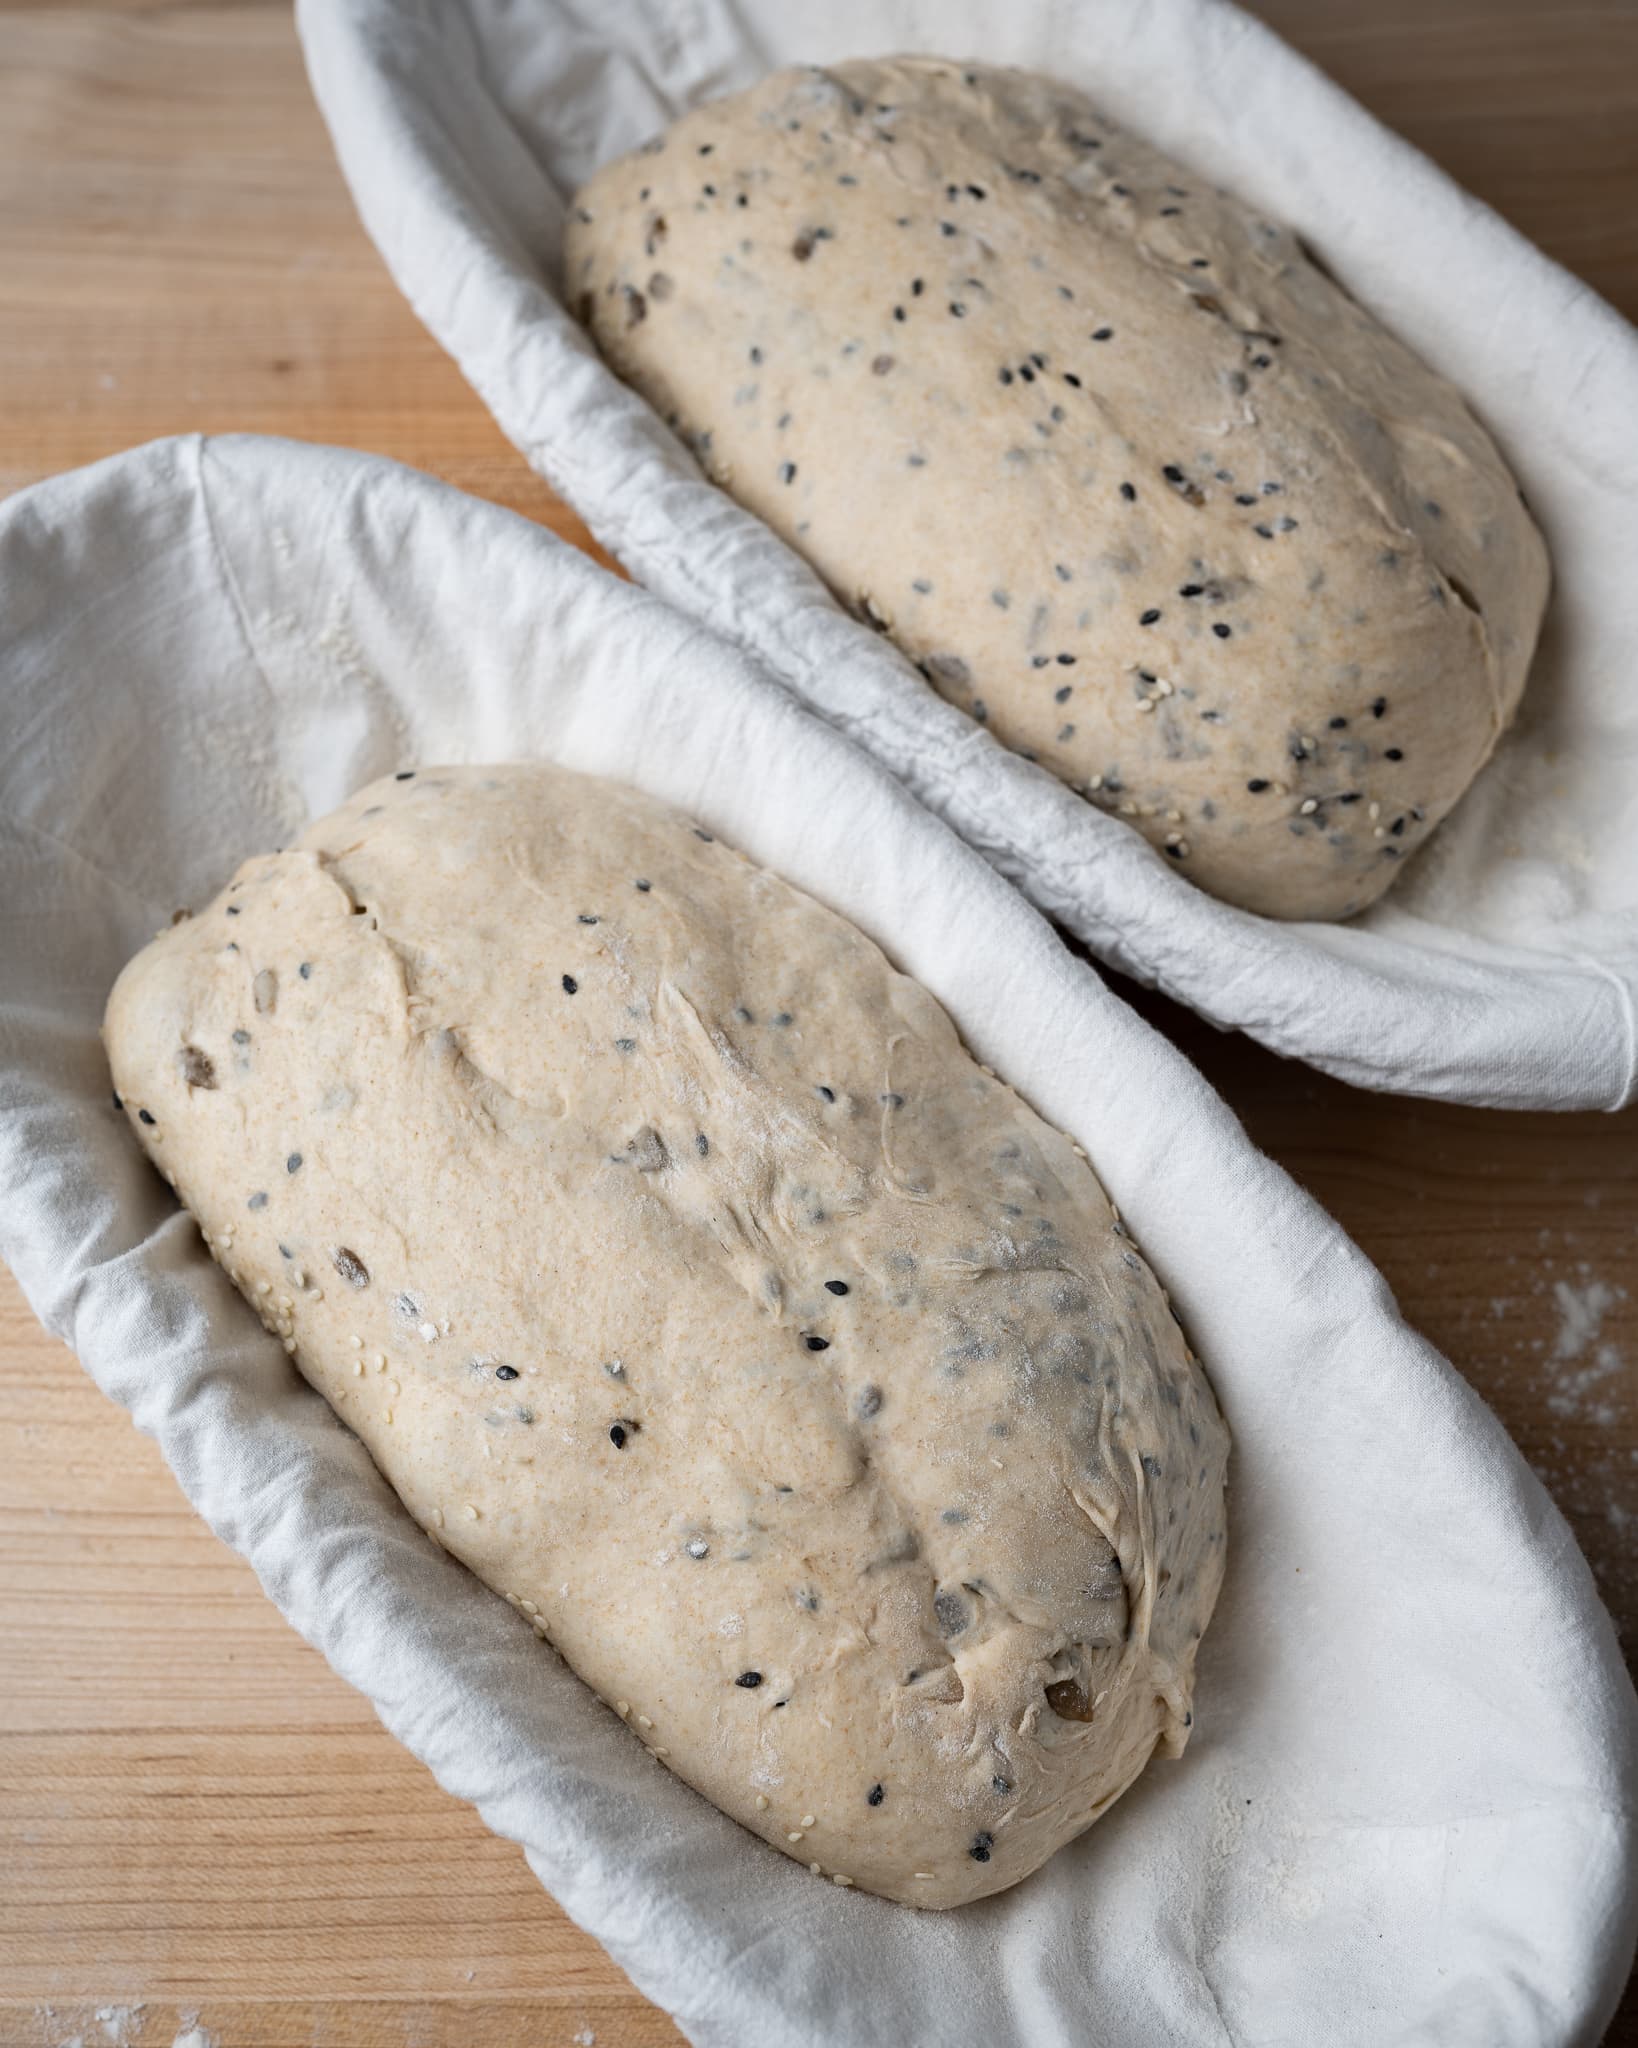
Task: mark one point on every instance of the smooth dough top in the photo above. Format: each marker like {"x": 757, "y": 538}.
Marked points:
{"x": 1124, "y": 471}
{"x": 692, "y": 1284}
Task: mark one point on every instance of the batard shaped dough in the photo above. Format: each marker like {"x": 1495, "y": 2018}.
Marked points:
{"x": 1122, "y": 469}
{"x": 692, "y": 1285}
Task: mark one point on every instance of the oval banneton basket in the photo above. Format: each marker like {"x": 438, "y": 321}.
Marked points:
{"x": 1403, "y": 1816}
{"x": 1502, "y": 967}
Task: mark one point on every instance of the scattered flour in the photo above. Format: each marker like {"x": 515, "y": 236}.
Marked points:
{"x": 1581, "y": 1313}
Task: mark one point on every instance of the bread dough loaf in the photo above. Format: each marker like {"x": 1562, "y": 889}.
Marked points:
{"x": 693, "y": 1286}
{"x": 1129, "y": 476}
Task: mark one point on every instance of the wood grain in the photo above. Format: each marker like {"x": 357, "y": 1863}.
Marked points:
{"x": 195, "y": 1814}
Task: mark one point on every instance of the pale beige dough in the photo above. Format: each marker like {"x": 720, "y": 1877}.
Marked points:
{"x": 691, "y": 1284}
{"x": 1129, "y": 477}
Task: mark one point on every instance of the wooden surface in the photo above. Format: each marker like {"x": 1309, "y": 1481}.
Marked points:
{"x": 196, "y": 1817}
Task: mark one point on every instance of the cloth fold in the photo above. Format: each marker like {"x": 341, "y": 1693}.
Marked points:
{"x": 1404, "y": 1813}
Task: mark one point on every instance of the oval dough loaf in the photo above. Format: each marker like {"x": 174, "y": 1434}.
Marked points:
{"x": 693, "y": 1286}
{"x": 1130, "y": 477}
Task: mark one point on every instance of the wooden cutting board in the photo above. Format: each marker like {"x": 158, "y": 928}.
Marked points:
{"x": 204, "y": 1835}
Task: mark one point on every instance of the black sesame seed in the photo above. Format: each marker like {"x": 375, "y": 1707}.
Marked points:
{"x": 828, "y": 1094}
{"x": 1221, "y": 630}
{"x": 875, "y": 1796}
{"x": 817, "y": 1343}
{"x": 1190, "y": 589}
{"x": 1063, "y": 696}
{"x": 702, "y": 1144}
{"x": 892, "y": 1099}
{"x": 1026, "y": 373}
{"x": 1379, "y": 707}
{"x": 1257, "y": 785}
{"x": 617, "y": 1436}
{"x": 643, "y": 885}
{"x": 1167, "y": 212}
{"x": 1394, "y": 754}
{"x": 1129, "y": 493}
{"x": 570, "y": 985}
{"x": 506, "y": 1372}
{"x": 1001, "y": 1785}
{"x": 1172, "y": 473}
{"x": 957, "y": 310}
{"x": 917, "y": 287}
{"x": 1066, "y": 661}
{"x": 836, "y": 1287}
{"x": 233, "y": 910}
{"x": 898, "y": 312}
{"x": 1149, "y": 617}
{"x": 625, "y": 1045}
{"x": 405, "y": 775}
{"x": 585, "y": 917}
{"x": 1103, "y": 333}
{"x": 980, "y": 1850}
{"x": 293, "y": 1163}
{"x": 750, "y": 1680}
{"x": 1337, "y": 724}
{"x": 305, "y": 970}
{"x": 869, "y": 1402}
{"x": 257, "y": 1200}
{"x": 787, "y": 472}
{"x": 1004, "y": 374}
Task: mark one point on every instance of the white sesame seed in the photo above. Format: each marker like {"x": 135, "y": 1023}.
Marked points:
{"x": 762, "y": 1802}
{"x": 470, "y": 1512}
{"x": 622, "y": 1708}
{"x": 388, "y": 1416}
{"x": 644, "y": 1722}
{"x": 358, "y": 1368}
{"x": 1146, "y": 704}
{"x": 264, "y": 1286}
{"x": 1373, "y": 810}
{"x": 541, "y": 1629}
{"x": 444, "y": 1326}
{"x": 357, "y": 1343}
{"x": 297, "y": 1277}
{"x": 286, "y": 1303}
{"x": 205, "y": 1234}
{"x": 794, "y": 1836}
{"x": 1176, "y": 817}
{"x": 380, "y": 1363}
{"x": 996, "y": 1462}
{"x": 1381, "y": 832}
{"x": 807, "y": 1820}
{"x": 528, "y": 1606}
{"x": 437, "y": 1518}
{"x": 817, "y": 1872}
{"x": 289, "y": 1343}
{"x": 1307, "y": 807}
{"x": 427, "y": 1332}
{"x": 393, "y": 1387}
{"x": 662, "y": 1752}
{"x": 840, "y": 1879}
{"x": 921, "y": 1873}
{"x": 1096, "y": 782}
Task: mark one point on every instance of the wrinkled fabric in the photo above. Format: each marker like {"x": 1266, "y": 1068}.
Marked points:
{"x": 1403, "y": 1815}
{"x": 1501, "y": 969}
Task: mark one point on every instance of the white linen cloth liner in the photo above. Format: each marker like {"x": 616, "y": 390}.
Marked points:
{"x": 1403, "y": 1816}
{"x": 1502, "y": 966}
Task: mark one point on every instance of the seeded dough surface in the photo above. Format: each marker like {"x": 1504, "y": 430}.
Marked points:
{"x": 693, "y": 1286}
{"x": 1129, "y": 477}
